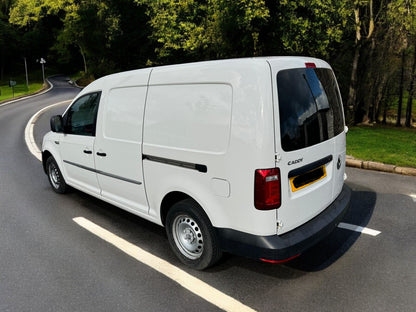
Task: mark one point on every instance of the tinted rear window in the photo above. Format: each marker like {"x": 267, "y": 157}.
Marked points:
{"x": 310, "y": 107}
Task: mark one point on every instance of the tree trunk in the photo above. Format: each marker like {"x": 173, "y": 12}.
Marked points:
{"x": 352, "y": 94}
{"x": 371, "y": 103}
{"x": 352, "y": 105}
{"x": 378, "y": 96}
{"x": 384, "y": 121}
{"x": 383, "y": 105}
{"x": 371, "y": 25}
{"x": 408, "y": 122}
{"x": 400, "y": 105}
{"x": 2, "y": 64}
{"x": 84, "y": 59}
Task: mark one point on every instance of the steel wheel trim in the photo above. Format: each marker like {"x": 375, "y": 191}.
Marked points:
{"x": 188, "y": 237}
{"x": 54, "y": 176}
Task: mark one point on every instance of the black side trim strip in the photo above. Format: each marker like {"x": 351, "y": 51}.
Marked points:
{"x": 103, "y": 173}
{"x": 178, "y": 163}
{"x": 310, "y": 166}
{"x": 80, "y": 166}
{"x": 118, "y": 177}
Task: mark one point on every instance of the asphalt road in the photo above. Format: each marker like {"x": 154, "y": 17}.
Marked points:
{"x": 49, "y": 263}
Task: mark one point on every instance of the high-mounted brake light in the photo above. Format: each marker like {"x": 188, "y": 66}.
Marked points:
{"x": 267, "y": 189}
{"x": 310, "y": 65}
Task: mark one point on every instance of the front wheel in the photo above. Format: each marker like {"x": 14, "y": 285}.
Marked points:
{"x": 191, "y": 235}
{"x": 55, "y": 176}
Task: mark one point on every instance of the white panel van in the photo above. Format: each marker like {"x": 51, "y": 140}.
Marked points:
{"x": 245, "y": 156}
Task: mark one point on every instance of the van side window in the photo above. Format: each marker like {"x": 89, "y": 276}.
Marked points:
{"x": 81, "y": 117}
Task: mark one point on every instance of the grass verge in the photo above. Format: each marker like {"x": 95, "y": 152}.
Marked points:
{"x": 20, "y": 89}
{"x": 6, "y": 92}
{"x": 385, "y": 144}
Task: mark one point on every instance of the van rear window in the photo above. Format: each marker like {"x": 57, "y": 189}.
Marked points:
{"x": 310, "y": 107}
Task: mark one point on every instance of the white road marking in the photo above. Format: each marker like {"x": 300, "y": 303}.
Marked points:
{"x": 359, "y": 229}
{"x": 29, "y": 138}
{"x": 181, "y": 277}
{"x": 413, "y": 196}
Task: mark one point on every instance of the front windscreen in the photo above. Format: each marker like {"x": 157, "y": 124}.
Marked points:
{"x": 310, "y": 107}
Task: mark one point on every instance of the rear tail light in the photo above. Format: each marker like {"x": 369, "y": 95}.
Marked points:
{"x": 310, "y": 65}
{"x": 267, "y": 189}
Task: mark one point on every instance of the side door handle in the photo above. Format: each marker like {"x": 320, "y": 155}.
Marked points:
{"x": 87, "y": 152}
{"x": 101, "y": 154}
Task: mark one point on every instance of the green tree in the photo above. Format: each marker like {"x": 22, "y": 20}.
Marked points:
{"x": 403, "y": 17}
{"x": 28, "y": 12}
{"x": 353, "y": 109}
{"x": 89, "y": 25}
{"x": 8, "y": 37}
{"x": 238, "y": 24}
{"x": 38, "y": 22}
{"x": 399, "y": 18}
{"x": 108, "y": 34}
{"x": 205, "y": 29}
{"x": 374, "y": 60}
{"x": 313, "y": 28}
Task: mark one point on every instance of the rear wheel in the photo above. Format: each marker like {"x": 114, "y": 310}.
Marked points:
{"x": 55, "y": 176}
{"x": 191, "y": 235}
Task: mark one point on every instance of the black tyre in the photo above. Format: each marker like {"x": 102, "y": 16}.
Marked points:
{"x": 191, "y": 235}
{"x": 55, "y": 177}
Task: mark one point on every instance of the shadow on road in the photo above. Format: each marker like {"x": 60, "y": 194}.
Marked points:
{"x": 329, "y": 250}
{"x": 322, "y": 255}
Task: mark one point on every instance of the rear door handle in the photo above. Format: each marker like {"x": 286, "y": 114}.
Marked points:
{"x": 101, "y": 154}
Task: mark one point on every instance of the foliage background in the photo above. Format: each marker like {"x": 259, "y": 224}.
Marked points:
{"x": 370, "y": 44}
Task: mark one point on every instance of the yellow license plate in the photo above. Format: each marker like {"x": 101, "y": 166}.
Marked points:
{"x": 305, "y": 179}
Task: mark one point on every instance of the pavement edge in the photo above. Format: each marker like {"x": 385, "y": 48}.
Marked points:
{"x": 376, "y": 166}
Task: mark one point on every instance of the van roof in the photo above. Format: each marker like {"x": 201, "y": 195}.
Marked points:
{"x": 280, "y": 62}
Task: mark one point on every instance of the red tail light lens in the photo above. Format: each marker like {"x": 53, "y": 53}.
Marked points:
{"x": 280, "y": 261}
{"x": 310, "y": 65}
{"x": 267, "y": 189}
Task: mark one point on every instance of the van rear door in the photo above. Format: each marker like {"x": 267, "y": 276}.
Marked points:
{"x": 310, "y": 139}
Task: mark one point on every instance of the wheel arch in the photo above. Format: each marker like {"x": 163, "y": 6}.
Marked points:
{"x": 45, "y": 155}
{"x": 172, "y": 198}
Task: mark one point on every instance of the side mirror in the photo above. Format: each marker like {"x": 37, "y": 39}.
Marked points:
{"x": 57, "y": 124}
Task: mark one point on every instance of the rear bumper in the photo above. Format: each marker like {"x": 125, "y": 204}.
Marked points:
{"x": 288, "y": 245}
